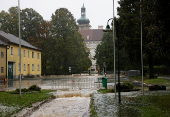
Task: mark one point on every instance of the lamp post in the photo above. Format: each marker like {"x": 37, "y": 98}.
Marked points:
{"x": 141, "y": 46}
{"x": 108, "y": 29}
{"x": 19, "y": 48}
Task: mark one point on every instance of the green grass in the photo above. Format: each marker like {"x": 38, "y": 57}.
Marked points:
{"x": 138, "y": 78}
{"x": 14, "y": 104}
{"x": 156, "y": 105}
{"x": 152, "y": 81}
{"x": 157, "y": 81}
{"x": 93, "y": 108}
{"x": 105, "y": 91}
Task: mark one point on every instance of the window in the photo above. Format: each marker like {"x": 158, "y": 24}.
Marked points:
{"x": 24, "y": 68}
{"x": 12, "y": 51}
{"x": 38, "y": 55}
{"x": 28, "y": 54}
{"x": 87, "y": 37}
{"x": 32, "y": 67}
{"x": 24, "y": 53}
{"x": 38, "y": 67}
{"x": 32, "y": 54}
{"x": 2, "y": 54}
{"x": 2, "y": 69}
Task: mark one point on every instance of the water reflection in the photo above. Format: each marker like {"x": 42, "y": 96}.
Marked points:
{"x": 53, "y": 83}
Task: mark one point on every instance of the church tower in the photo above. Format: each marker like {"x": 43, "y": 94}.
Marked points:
{"x": 83, "y": 21}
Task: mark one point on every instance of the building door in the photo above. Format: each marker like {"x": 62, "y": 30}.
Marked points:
{"x": 10, "y": 74}
{"x": 10, "y": 70}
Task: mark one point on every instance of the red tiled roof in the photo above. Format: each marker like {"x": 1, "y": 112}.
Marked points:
{"x": 94, "y": 34}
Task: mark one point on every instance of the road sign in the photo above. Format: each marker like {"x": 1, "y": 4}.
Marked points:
{"x": 69, "y": 69}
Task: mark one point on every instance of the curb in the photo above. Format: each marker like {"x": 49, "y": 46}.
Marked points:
{"x": 27, "y": 112}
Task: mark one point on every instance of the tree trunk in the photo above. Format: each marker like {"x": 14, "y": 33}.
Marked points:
{"x": 150, "y": 60}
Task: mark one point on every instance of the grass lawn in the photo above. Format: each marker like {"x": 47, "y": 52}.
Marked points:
{"x": 11, "y": 103}
{"x": 153, "y": 105}
{"x": 152, "y": 81}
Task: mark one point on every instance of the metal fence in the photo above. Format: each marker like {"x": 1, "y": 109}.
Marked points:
{"x": 72, "y": 83}
{"x": 55, "y": 83}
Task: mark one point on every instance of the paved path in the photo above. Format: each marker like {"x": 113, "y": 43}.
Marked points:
{"x": 65, "y": 105}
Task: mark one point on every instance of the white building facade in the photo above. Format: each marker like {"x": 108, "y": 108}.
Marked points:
{"x": 92, "y": 37}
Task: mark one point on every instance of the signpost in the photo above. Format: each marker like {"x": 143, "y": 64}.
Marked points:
{"x": 69, "y": 70}
{"x": 89, "y": 71}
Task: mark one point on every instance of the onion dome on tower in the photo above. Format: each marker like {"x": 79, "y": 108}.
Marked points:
{"x": 83, "y": 21}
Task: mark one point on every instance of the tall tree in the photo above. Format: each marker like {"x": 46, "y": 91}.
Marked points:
{"x": 153, "y": 30}
{"x": 69, "y": 49}
{"x": 30, "y": 21}
{"x": 9, "y": 21}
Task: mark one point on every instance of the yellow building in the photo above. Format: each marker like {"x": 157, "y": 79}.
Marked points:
{"x": 3, "y": 46}
{"x": 2, "y": 62}
{"x": 30, "y": 58}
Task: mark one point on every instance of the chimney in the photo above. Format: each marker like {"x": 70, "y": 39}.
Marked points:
{"x": 100, "y": 27}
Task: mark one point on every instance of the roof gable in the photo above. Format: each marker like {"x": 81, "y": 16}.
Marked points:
{"x": 15, "y": 40}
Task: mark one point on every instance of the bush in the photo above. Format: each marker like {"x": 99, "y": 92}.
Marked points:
{"x": 125, "y": 85}
{"x": 31, "y": 88}
{"x": 34, "y": 88}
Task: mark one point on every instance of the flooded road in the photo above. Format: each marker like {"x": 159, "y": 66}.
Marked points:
{"x": 64, "y": 107}
{"x": 67, "y": 104}
{"x": 82, "y": 82}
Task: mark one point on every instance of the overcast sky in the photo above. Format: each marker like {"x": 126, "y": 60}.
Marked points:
{"x": 98, "y": 11}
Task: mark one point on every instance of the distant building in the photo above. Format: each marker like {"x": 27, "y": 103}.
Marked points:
{"x": 30, "y": 57}
{"x": 92, "y": 37}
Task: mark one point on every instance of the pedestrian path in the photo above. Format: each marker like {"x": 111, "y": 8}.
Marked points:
{"x": 73, "y": 103}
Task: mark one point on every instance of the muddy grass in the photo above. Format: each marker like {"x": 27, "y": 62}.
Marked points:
{"x": 11, "y": 103}
{"x": 133, "y": 104}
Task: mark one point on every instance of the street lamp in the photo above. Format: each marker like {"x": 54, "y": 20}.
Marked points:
{"x": 108, "y": 29}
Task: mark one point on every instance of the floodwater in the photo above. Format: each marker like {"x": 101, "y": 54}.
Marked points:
{"x": 64, "y": 107}
{"x": 87, "y": 82}
{"x": 75, "y": 101}
{"x": 67, "y": 104}
{"x": 106, "y": 105}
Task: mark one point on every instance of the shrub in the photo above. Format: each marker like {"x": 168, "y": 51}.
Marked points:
{"x": 125, "y": 85}
{"x": 34, "y": 88}
{"x": 31, "y": 88}
{"x": 22, "y": 90}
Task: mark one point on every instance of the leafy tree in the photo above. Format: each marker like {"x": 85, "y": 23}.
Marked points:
{"x": 69, "y": 50}
{"x": 9, "y": 21}
{"x": 154, "y": 34}
{"x": 30, "y": 21}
